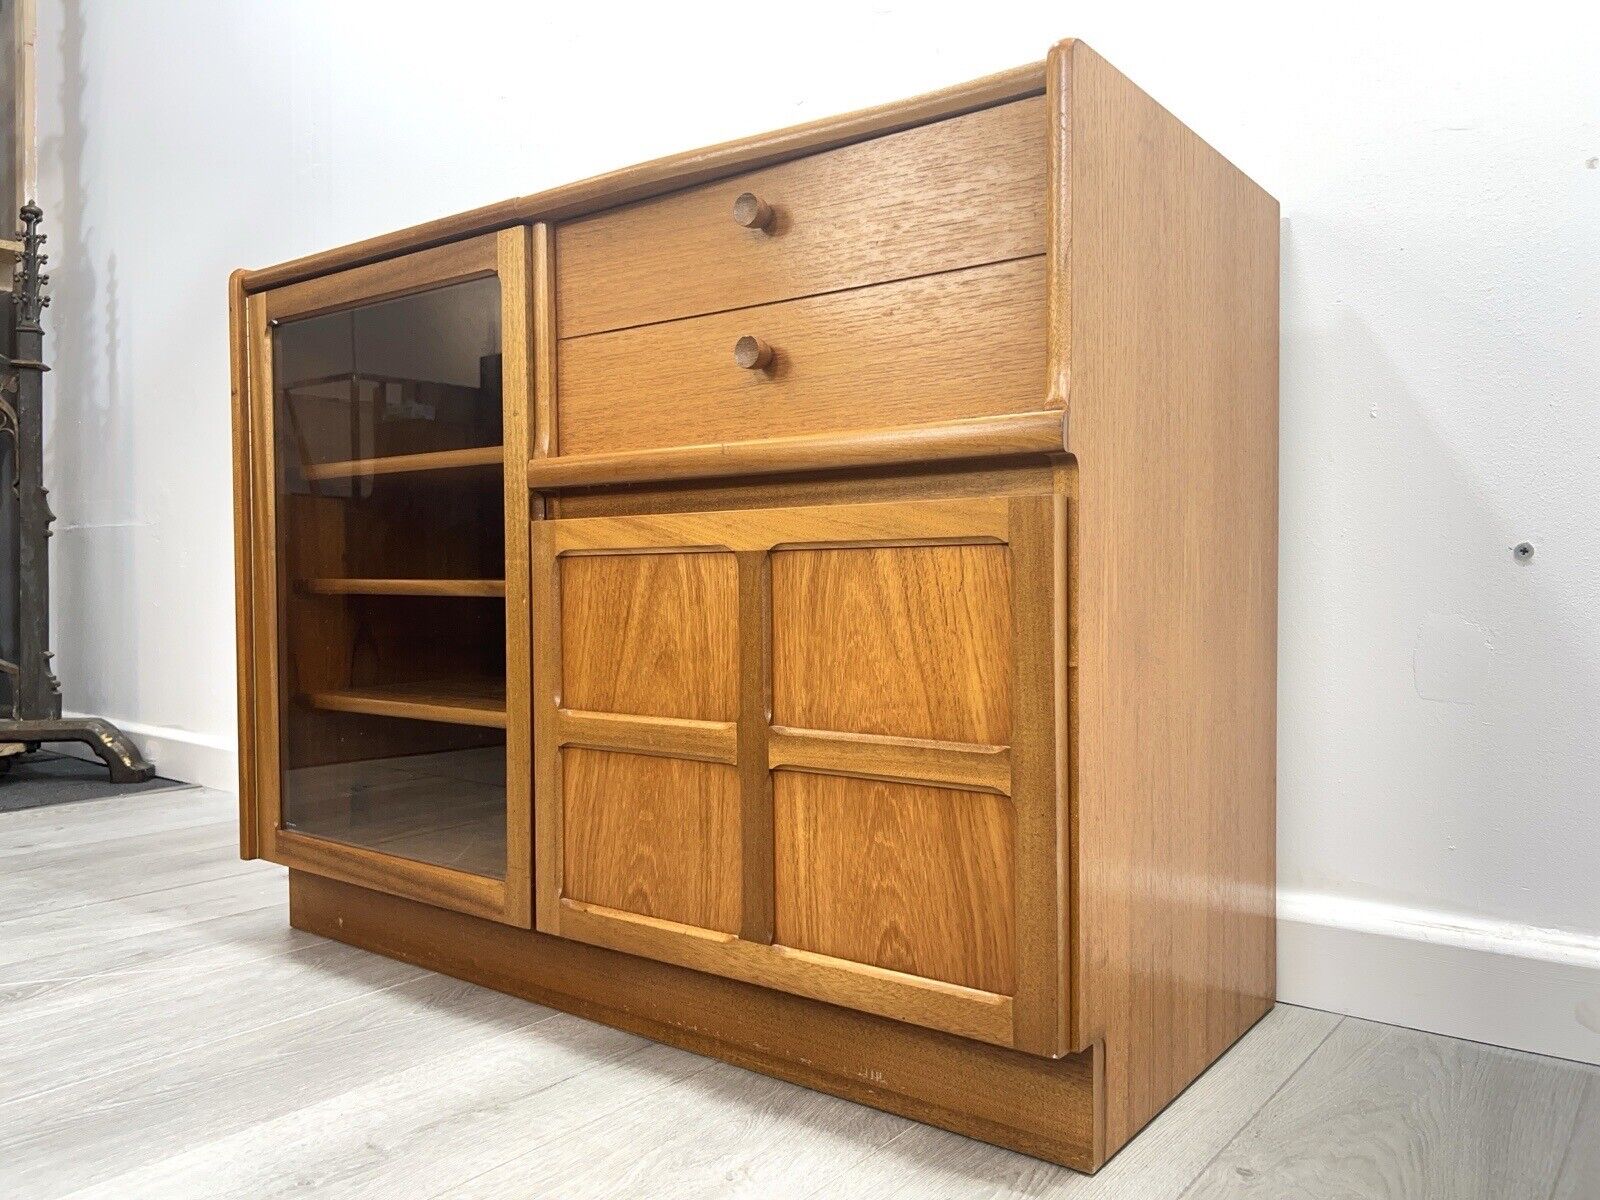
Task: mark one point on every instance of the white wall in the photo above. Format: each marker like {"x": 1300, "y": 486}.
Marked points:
{"x": 1441, "y": 248}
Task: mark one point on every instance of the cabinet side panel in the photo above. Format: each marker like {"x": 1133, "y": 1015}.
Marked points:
{"x": 1172, "y": 416}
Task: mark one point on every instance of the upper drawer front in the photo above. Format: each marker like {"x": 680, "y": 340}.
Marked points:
{"x": 962, "y": 344}
{"x": 956, "y": 193}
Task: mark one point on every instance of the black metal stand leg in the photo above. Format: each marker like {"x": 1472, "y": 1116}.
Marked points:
{"x": 34, "y": 701}
{"x": 105, "y": 739}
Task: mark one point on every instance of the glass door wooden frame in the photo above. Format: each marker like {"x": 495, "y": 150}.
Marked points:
{"x": 505, "y": 254}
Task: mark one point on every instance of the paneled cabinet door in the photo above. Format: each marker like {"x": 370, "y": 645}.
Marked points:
{"x": 816, "y": 749}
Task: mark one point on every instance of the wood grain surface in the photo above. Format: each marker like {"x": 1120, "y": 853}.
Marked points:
{"x": 1175, "y": 586}
{"x": 398, "y": 464}
{"x": 905, "y": 641}
{"x": 848, "y": 607}
{"x": 650, "y": 635}
{"x": 654, "y": 836}
{"x": 1038, "y": 1105}
{"x": 952, "y": 194}
{"x": 481, "y": 588}
{"x": 240, "y": 343}
{"x": 962, "y": 344}
{"x": 457, "y": 262}
{"x": 458, "y": 701}
{"x": 1006, "y": 435}
{"x": 914, "y": 879}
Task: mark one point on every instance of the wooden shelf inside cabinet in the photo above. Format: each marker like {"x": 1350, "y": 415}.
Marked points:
{"x": 452, "y": 701}
{"x": 485, "y": 588}
{"x": 398, "y": 464}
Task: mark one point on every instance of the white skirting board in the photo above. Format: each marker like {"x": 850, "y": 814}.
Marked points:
{"x": 1509, "y": 985}
{"x": 179, "y": 754}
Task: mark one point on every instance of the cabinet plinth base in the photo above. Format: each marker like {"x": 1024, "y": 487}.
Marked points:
{"x": 1042, "y": 1107}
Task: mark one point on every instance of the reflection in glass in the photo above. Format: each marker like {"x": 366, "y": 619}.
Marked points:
{"x": 391, "y": 617}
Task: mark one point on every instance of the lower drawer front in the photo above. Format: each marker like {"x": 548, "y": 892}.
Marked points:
{"x": 781, "y": 745}
{"x": 967, "y": 343}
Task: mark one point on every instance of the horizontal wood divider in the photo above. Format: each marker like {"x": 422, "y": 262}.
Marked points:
{"x": 363, "y": 866}
{"x": 970, "y": 437}
{"x": 450, "y": 704}
{"x": 967, "y": 1012}
{"x": 897, "y": 759}
{"x": 671, "y": 737}
{"x": 398, "y": 464}
{"x": 485, "y": 588}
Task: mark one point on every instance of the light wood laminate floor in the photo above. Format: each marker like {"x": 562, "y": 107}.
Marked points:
{"x": 163, "y": 1033}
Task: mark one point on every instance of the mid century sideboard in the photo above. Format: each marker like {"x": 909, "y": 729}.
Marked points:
{"x": 810, "y": 600}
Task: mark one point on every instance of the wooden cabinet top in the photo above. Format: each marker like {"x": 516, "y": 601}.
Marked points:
{"x": 687, "y": 169}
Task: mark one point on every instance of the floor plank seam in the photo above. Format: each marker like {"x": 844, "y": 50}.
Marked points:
{"x": 1262, "y": 1107}
{"x": 171, "y": 963}
{"x": 244, "y": 868}
{"x": 1572, "y": 1137}
{"x": 828, "y": 1184}
{"x": 599, "y": 1116}
{"x": 253, "y": 1030}
{"x": 111, "y": 845}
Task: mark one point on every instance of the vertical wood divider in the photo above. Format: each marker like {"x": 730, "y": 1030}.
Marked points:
{"x": 545, "y": 620}
{"x": 265, "y": 578}
{"x": 518, "y": 323}
{"x": 546, "y": 346}
{"x": 1037, "y": 525}
{"x": 544, "y": 592}
{"x": 755, "y": 719}
{"x": 244, "y": 600}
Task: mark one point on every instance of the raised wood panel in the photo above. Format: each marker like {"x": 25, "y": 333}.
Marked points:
{"x": 650, "y": 634}
{"x": 912, "y": 879}
{"x": 907, "y": 641}
{"x": 962, "y": 344}
{"x": 659, "y": 837}
{"x": 952, "y": 194}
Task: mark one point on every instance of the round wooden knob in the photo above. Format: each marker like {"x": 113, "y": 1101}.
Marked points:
{"x": 752, "y": 353}
{"x": 751, "y": 211}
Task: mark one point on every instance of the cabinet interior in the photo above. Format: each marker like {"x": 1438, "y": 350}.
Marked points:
{"x": 391, "y": 555}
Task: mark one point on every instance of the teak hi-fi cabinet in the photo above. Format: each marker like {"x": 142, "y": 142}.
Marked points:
{"x": 810, "y": 601}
